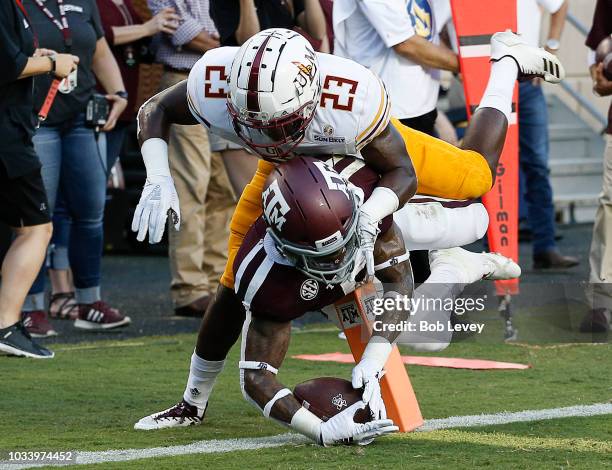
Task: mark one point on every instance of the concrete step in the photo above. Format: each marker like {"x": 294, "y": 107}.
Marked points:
{"x": 575, "y": 166}
{"x": 576, "y": 184}
{"x": 577, "y": 207}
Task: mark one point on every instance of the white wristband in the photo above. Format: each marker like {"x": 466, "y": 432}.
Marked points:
{"x": 381, "y": 203}
{"x": 377, "y": 350}
{"x": 155, "y": 155}
{"x": 308, "y": 424}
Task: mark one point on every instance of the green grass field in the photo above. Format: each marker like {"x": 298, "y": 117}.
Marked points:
{"x": 90, "y": 395}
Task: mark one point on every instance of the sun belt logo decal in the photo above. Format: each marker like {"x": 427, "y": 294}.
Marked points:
{"x": 275, "y": 206}
{"x": 309, "y": 289}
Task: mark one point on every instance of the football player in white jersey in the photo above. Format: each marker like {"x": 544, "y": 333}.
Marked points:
{"x": 279, "y": 98}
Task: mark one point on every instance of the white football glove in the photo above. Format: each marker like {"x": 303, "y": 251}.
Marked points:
{"x": 341, "y": 429}
{"x": 158, "y": 198}
{"x": 367, "y": 374}
{"x": 367, "y": 230}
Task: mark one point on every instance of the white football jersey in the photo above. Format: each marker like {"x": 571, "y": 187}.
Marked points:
{"x": 354, "y": 106}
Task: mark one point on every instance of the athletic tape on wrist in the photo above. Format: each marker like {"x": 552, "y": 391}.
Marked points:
{"x": 308, "y": 424}
{"x": 280, "y": 394}
{"x": 155, "y": 155}
{"x": 378, "y": 351}
{"x": 254, "y": 365}
{"x": 382, "y": 202}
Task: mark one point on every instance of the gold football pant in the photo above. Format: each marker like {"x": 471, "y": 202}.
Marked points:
{"x": 442, "y": 169}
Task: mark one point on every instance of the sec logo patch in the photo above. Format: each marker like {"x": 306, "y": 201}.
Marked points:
{"x": 309, "y": 289}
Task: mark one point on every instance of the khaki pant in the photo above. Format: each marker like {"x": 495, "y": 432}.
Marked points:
{"x": 600, "y": 258}
{"x": 198, "y": 251}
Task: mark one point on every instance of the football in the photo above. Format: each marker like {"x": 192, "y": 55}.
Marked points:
{"x": 328, "y": 396}
{"x": 603, "y": 54}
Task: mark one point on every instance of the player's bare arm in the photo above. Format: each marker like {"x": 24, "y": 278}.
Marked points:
{"x": 387, "y": 155}
{"x": 161, "y": 111}
{"x": 265, "y": 346}
{"x": 159, "y": 198}
{"x": 396, "y": 278}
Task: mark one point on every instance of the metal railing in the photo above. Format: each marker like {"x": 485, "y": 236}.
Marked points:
{"x": 582, "y": 101}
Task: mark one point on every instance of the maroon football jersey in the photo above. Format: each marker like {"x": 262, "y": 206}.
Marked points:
{"x": 272, "y": 288}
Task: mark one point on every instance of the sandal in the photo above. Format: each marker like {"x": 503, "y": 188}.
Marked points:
{"x": 63, "y": 306}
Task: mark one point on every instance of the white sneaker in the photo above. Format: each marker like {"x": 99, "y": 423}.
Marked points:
{"x": 180, "y": 415}
{"x": 471, "y": 267}
{"x": 532, "y": 61}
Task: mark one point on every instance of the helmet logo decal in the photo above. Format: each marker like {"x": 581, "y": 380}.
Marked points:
{"x": 275, "y": 206}
{"x": 332, "y": 178}
{"x": 306, "y": 72}
{"x": 309, "y": 289}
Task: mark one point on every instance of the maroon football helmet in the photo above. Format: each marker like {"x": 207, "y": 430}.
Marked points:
{"x": 311, "y": 213}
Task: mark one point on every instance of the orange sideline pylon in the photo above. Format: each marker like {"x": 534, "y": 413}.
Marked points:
{"x": 354, "y": 313}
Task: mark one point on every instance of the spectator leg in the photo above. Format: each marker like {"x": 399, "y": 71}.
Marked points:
{"x": 189, "y": 156}
{"x": 19, "y": 269}
{"x": 83, "y": 185}
{"x": 600, "y": 258}
{"x": 220, "y": 205}
{"x": 48, "y": 147}
{"x": 533, "y": 145}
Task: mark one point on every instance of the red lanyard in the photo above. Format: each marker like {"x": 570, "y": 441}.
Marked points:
{"x": 62, "y": 23}
{"x": 27, "y": 17}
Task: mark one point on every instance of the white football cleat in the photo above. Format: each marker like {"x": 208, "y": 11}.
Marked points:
{"x": 532, "y": 61}
{"x": 180, "y": 415}
{"x": 472, "y": 267}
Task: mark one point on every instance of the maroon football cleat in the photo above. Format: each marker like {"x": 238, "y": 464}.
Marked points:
{"x": 100, "y": 316}
{"x": 38, "y": 325}
{"x": 180, "y": 415}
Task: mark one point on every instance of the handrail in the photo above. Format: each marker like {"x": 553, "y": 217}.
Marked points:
{"x": 582, "y": 101}
{"x": 593, "y": 111}
{"x": 575, "y": 22}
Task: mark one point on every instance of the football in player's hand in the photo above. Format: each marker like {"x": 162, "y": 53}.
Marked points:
{"x": 327, "y": 396}
{"x": 603, "y": 55}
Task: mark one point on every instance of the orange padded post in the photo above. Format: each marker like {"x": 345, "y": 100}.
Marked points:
{"x": 355, "y": 314}
{"x": 475, "y": 21}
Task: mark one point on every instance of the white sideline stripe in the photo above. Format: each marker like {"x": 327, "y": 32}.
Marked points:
{"x": 230, "y": 445}
{"x": 517, "y": 417}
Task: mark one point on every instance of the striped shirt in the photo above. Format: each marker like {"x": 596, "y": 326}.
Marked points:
{"x": 194, "y": 18}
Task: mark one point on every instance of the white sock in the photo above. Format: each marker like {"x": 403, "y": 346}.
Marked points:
{"x": 202, "y": 377}
{"x": 498, "y": 93}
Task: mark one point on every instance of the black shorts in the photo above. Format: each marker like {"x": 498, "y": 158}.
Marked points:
{"x": 23, "y": 200}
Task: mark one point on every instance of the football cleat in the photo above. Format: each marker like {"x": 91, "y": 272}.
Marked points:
{"x": 180, "y": 415}
{"x": 472, "y": 267}
{"x": 532, "y": 61}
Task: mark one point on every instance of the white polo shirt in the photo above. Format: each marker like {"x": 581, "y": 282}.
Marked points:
{"x": 366, "y": 31}
{"x": 529, "y": 17}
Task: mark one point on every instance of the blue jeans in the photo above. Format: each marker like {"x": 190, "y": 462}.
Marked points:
{"x": 533, "y": 151}
{"x": 74, "y": 176}
{"x": 109, "y": 144}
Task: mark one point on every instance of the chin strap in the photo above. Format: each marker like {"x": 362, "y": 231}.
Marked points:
{"x": 392, "y": 261}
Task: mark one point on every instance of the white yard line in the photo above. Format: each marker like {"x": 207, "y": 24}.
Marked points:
{"x": 230, "y": 445}
{"x": 517, "y": 417}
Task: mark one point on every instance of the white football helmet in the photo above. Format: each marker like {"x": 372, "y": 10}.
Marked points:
{"x": 274, "y": 90}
